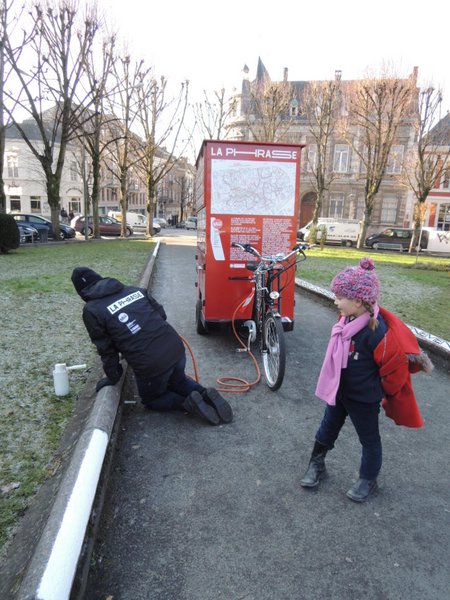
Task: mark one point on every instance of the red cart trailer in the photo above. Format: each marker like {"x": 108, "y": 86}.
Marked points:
{"x": 246, "y": 192}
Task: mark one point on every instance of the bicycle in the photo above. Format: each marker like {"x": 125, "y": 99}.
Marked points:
{"x": 266, "y": 322}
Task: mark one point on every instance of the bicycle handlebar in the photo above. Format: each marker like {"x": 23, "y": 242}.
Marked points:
{"x": 298, "y": 248}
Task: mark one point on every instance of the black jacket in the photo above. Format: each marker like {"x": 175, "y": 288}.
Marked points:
{"x": 128, "y": 320}
{"x": 360, "y": 380}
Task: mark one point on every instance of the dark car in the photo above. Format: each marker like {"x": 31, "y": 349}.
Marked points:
{"x": 28, "y": 235}
{"x": 106, "y": 225}
{"x": 394, "y": 238}
{"x": 44, "y": 226}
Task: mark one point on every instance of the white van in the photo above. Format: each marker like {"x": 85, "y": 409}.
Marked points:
{"x": 136, "y": 220}
{"x": 339, "y": 231}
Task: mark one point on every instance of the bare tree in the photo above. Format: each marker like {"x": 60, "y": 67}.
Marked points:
{"x": 212, "y": 116}
{"x": 429, "y": 155}
{"x": 7, "y": 26}
{"x": 160, "y": 123}
{"x": 92, "y": 136}
{"x": 59, "y": 42}
{"x": 320, "y": 104}
{"x": 186, "y": 195}
{"x": 123, "y": 150}
{"x": 4, "y": 6}
{"x": 267, "y": 113}
{"x": 376, "y": 108}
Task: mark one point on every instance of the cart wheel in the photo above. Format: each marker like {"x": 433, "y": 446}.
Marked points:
{"x": 274, "y": 351}
{"x": 201, "y": 329}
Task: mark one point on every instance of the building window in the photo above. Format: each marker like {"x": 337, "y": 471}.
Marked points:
{"x": 75, "y": 205}
{"x": 15, "y": 203}
{"x": 13, "y": 166}
{"x": 395, "y": 160}
{"x": 360, "y": 208}
{"x": 35, "y": 204}
{"x": 311, "y": 162}
{"x": 73, "y": 170}
{"x": 443, "y": 223}
{"x": 341, "y": 158}
{"x": 389, "y": 210}
{"x": 294, "y": 108}
{"x": 336, "y": 209}
{"x": 446, "y": 179}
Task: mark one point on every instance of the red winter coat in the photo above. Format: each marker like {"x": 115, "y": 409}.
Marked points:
{"x": 395, "y": 371}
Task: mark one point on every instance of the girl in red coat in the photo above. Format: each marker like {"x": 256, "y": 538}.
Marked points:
{"x": 367, "y": 363}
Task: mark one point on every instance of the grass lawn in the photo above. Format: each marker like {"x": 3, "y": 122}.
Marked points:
{"x": 42, "y": 326}
{"x": 417, "y": 291}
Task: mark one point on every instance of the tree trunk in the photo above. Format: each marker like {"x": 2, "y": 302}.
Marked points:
{"x": 95, "y": 193}
{"x": 365, "y": 222}
{"x": 53, "y": 183}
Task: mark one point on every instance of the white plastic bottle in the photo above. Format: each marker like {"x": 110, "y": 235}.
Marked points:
{"x": 61, "y": 379}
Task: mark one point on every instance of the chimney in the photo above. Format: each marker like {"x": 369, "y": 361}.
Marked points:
{"x": 338, "y": 75}
{"x": 285, "y": 74}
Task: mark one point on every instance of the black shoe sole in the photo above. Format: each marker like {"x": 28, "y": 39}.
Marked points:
{"x": 195, "y": 404}
{"x": 221, "y": 406}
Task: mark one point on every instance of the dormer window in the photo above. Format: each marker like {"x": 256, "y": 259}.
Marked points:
{"x": 294, "y": 108}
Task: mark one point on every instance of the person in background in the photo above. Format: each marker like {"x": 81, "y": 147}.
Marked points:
{"x": 126, "y": 320}
{"x": 368, "y": 362}
{"x": 63, "y": 214}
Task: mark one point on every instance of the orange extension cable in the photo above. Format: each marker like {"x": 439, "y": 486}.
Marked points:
{"x": 231, "y": 385}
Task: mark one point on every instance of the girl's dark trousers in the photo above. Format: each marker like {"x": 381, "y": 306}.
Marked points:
{"x": 364, "y": 416}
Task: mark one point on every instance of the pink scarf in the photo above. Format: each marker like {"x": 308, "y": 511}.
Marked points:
{"x": 336, "y": 356}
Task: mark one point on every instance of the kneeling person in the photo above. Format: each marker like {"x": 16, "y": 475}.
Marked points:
{"x": 127, "y": 320}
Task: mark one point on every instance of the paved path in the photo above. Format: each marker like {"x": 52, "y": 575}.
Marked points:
{"x": 196, "y": 512}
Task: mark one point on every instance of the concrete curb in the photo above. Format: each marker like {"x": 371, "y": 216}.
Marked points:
{"x": 428, "y": 341}
{"x": 51, "y": 571}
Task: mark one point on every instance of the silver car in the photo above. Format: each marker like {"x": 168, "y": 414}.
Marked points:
{"x": 191, "y": 223}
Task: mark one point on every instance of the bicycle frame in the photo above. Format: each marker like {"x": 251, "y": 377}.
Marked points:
{"x": 266, "y": 314}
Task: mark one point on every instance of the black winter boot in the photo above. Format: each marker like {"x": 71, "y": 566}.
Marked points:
{"x": 316, "y": 468}
{"x": 362, "y": 490}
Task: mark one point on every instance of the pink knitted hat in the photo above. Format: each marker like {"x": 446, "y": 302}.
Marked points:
{"x": 358, "y": 283}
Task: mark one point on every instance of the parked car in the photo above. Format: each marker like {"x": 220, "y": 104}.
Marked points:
{"x": 394, "y": 238}
{"x": 180, "y": 224}
{"x": 28, "y": 234}
{"x": 106, "y": 225}
{"x": 44, "y": 226}
{"x": 156, "y": 227}
{"x": 161, "y": 222}
{"x": 191, "y": 223}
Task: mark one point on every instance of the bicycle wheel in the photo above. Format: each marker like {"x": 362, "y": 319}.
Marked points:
{"x": 273, "y": 351}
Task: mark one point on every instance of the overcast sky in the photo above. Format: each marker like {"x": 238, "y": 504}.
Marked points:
{"x": 208, "y": 41}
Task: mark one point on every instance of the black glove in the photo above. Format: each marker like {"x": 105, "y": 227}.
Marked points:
{"x": 102, "y": 383}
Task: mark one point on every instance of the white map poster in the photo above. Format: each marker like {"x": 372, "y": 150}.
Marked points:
{"x": 252, "y": 188}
